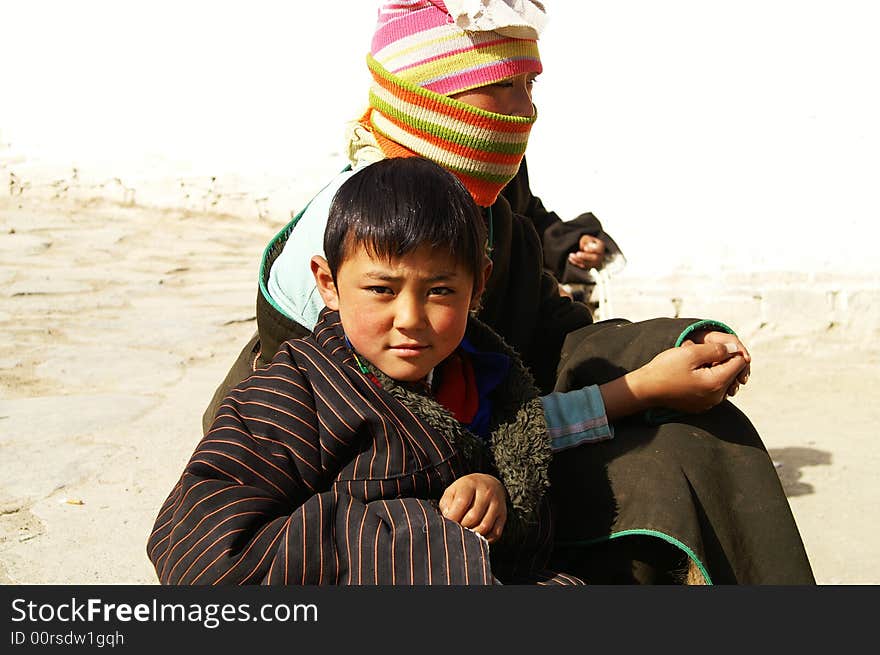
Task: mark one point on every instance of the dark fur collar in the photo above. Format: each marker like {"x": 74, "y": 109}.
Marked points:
{"x": 519, "y": 448}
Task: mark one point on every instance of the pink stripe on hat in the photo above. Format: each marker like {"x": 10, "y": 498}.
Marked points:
{"x": 419, "y": 41}
{"x": 406, "y": 24}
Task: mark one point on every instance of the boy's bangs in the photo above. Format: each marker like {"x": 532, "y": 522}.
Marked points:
{"x": 396, "y": 206}
{"x": 388, "y": 240}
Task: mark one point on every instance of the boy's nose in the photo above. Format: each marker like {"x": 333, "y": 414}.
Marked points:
{"x": 409, "y": 313}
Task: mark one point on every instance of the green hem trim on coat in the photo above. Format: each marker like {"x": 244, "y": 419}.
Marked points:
{"x": 648, "y": 533}
{"x": 277, "y": 241}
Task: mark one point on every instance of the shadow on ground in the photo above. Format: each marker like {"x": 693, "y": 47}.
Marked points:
{"x": 789, "y": 464}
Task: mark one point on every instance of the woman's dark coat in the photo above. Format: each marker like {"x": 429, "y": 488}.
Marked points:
{"x": 638, "y": 507}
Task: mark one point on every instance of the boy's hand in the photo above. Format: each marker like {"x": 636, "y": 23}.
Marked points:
{"x": 704, "y": 336}
{"x": 693, "y": 377}
{"x": 477, "y": 501}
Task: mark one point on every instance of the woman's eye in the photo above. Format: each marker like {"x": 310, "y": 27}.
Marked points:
{"x": 503, "y": 85}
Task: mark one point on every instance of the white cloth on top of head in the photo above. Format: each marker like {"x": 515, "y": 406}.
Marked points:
{"x": 519, "y": 19}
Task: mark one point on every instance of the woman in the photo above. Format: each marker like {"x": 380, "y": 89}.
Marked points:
{"x": 685, "y": 484}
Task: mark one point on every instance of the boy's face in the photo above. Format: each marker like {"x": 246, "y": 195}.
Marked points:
{"x": 405, "y": 316}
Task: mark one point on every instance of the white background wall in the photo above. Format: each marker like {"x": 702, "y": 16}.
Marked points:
{"x": 706, "y": 135}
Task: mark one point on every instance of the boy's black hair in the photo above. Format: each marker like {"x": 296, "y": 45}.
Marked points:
{"x": 395, "y": 206}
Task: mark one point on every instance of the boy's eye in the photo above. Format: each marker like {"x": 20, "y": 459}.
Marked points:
{"x": 379, "y": 290}
{"x": 441, "y": 291}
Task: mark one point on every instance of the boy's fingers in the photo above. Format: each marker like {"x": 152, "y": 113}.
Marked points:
{"x": 489, "y": 518}
{"x": 744, "y": 352}
{"x": 722, "y": 337}
{"x": 446, "y": 499}
{"x": 709, "y": 354}
{"x": 493, "y": 522}
{"x": 714, "y": 354}
{"x": 727, "y": 371}
{"x": 499, "y": 527}
{"x": 458, "y": 506}
{"x": 500, "y": 522}
{"x": 492, "y": 533}
{"x": 458, "y": 509}
{"x": 475, "y": 501}
{"x": 477, "y": 512}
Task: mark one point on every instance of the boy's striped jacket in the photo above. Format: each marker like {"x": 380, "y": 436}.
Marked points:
{"x": 313, "y": 474}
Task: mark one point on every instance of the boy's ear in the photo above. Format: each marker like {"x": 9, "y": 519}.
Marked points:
{"x": 324, "y": 281}
{"x": 480, "y": 284}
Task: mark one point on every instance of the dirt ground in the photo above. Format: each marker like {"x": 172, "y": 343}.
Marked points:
{"x": 119, "y": 321}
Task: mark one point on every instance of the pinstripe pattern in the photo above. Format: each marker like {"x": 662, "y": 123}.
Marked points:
{"x": 311, "y": 474}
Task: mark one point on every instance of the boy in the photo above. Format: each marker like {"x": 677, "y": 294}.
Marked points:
{"x": 394, "y": 444}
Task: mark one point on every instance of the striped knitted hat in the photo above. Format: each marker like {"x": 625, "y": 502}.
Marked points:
{"x": 421, "y": 55}
{"x": 424, "y": 43}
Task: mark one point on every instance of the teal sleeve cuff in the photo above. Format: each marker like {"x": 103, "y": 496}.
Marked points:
{"x": 576, "y": 417}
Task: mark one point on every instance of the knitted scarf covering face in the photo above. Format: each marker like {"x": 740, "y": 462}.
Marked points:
{"x": 481, "y": 148}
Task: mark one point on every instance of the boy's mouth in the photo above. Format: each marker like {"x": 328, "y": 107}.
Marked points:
{"x": 408, "y": 349}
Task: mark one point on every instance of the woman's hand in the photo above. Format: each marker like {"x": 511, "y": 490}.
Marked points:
{"x": 590, "y": 253}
